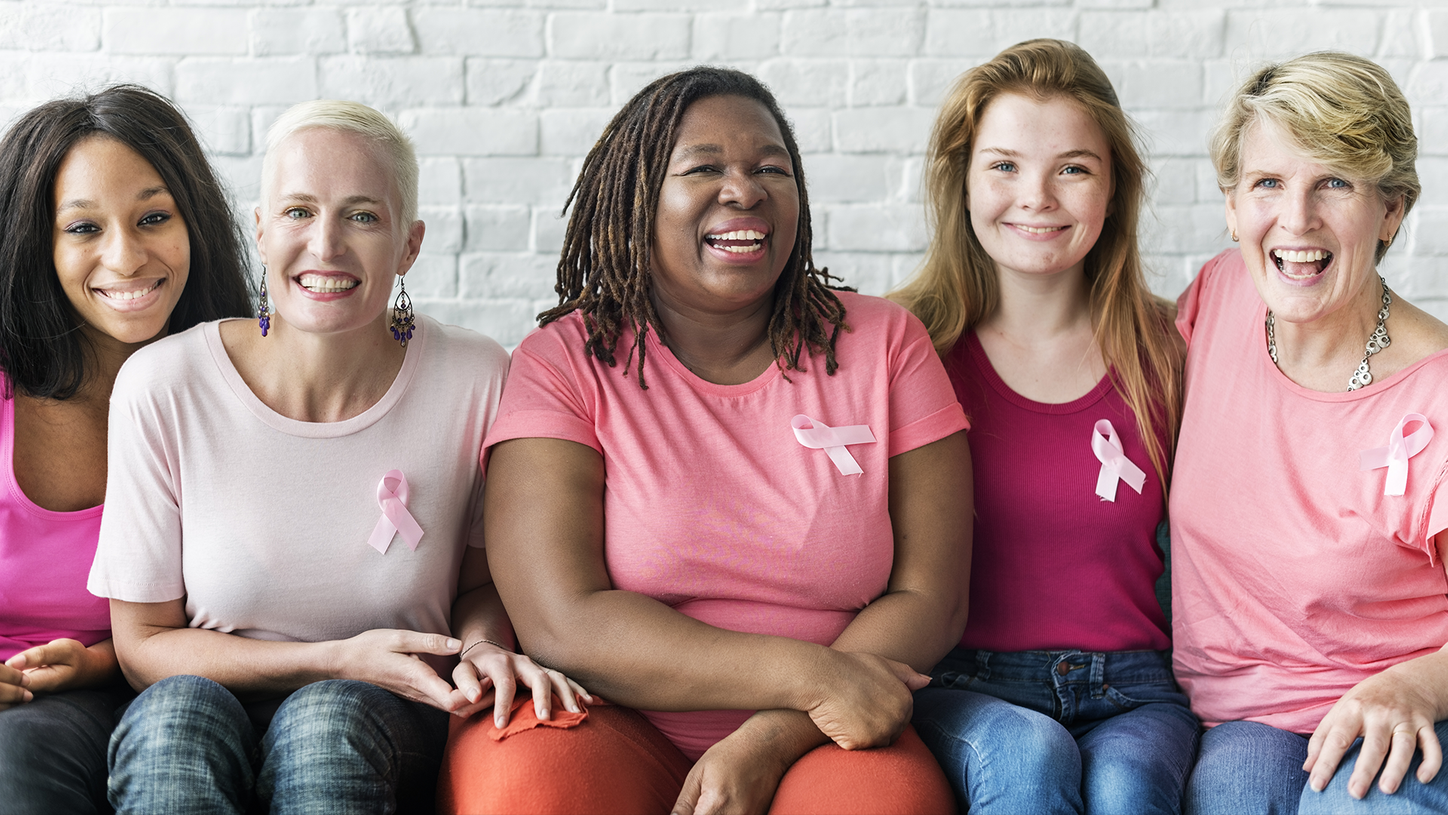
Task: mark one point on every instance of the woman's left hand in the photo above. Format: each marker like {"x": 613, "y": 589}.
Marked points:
{"x": 489, "y": 675}
{"x": 1394, "y": 713}
{"x": 64, "y": 664}
{"x": 739, "y": 774}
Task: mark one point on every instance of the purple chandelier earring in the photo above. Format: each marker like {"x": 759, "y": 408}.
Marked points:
{"x": 402, "y": 323}
{"x": 263, "y": 309}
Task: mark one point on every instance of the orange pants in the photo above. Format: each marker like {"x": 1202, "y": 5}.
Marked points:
{"x": 617, "y": 762}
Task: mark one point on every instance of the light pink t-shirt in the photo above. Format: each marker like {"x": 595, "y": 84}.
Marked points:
{"x": 711, "y": 505}
{"x": 1293, "y": 576}
{"x": 262, "y": 522}
{"x": 1052, "y": 565}
{"x": 44, "y": 558}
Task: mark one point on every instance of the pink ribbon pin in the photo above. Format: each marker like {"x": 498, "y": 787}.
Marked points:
{"x": 392, "y": 497}
{"x": 1115, "y": 466}
{"x": 1395, "y": 456}
{"x": 819, "y": 436}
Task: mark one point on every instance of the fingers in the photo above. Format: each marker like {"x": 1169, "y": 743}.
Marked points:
{"x": 12, "y": 694}
{"x": 1402, "y": 744}
{"x": 1432, "y": 754}
{"x": 11, "y": 675}
{"x": 688, "y": 799}
{"x": 465, "y": 676}
{"x": 542, "y": 687}
{"x": 913, "y": 679}
{"x": 504, "y": 686}
{"x": 1323, "y": 760}
{"x": 416, "y": 642}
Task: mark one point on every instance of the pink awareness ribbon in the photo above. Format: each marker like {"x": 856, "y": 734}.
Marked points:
{"x": 392, "y": 497}
{"x": 819, "y": 436}
{"x": 1395, "y": 456}
{"x": 1115, "y": 466}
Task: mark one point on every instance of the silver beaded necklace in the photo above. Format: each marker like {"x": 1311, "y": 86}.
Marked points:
{"x": 1377, "y": 341}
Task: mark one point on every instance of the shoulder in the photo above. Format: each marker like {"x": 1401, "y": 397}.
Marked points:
{"x": 455, "y": 344}
{"x": 172, "y": 361}
{"x": 878, "y": 318}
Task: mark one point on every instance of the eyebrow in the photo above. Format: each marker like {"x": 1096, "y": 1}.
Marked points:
{"x": 692, "y": 150}
{"x": 1001, "y": 151}
{"x": 307, "y": 198}
{"x": 85, "y": 203}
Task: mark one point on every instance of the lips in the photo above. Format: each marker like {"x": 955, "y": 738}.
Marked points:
{"x": 1301, "y": 264}
{"x": 741, "y": 238}
{"x": 326, "y": 283}
{"x": 126, "y": 294}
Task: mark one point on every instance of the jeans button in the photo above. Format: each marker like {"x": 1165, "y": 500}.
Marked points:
{"x": 1062, "y": 668}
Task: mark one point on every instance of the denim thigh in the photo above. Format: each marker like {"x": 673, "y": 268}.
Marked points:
{"x": 1412, "y": 797}
{"x": 1134, "y": 735}
{"x": 1247, "y": 767}
{"x": 53, "y": 751}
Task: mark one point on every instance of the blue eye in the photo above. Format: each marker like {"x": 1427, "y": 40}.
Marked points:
{"x": 1004, "y": 166}
{"x": 1074, "y": 170}
{"x": 1268, "y": 183}
{"x": 296, "y": 213}
{"x": 363, "y": 217}
{"x": 1337, "y": 184}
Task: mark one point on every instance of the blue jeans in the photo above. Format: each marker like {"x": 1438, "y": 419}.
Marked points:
{"x": 186, "y": 745}
{"x": 1252, "y": 767}
{"x": 1059, "y": 731}
{"x": 53, "y": 751}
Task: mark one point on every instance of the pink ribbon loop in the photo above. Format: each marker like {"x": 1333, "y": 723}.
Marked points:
{"x": 1395, "y": 456}
{"x": 1115, "y": 466}
{"x": 817, "y": 435}
{"x": 392, "y": 498}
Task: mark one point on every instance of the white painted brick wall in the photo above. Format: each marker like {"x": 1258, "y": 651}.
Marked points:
{"x": 504, "y": 97}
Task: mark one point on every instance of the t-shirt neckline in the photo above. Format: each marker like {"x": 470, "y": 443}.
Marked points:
{"x": 318, "y": 430}
{"x": 658, "y": 350}
{"x": 988, "y": 372}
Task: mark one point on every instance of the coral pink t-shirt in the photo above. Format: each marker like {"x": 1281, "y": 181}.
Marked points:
{"x": 1053, "y": 565}
{"x": 1293, "y": 576}
{"x": 44, "y": 559}
{"x": 711, "y": 505}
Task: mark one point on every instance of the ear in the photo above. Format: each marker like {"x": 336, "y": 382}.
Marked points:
{"x": 260, "y": 233}
{"x": 1231, "y": 204}
{"x": 414, "y": 246}
{"x": 1392, "y": 219}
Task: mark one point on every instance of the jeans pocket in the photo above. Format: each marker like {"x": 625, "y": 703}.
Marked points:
{"x": 1136, "y": 694}
{"x": 952, "y": 680}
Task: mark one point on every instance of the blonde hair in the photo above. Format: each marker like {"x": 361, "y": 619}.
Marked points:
{"x": 351, "y": 117}
{"x": 957, "y": 286}
{"x": 1342, "y": 111}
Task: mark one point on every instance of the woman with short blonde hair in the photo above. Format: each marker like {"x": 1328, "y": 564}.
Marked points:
{"x": 1308, "y": 516}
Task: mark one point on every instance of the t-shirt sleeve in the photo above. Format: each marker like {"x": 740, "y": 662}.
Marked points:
{"x": 1437, "y": 516}
{"x": 544, "y": 397}
{"x": 923, "y": 407}
{"x": 138, "y": 556}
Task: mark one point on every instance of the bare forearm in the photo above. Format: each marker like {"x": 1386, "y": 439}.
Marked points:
{"x": 249, "y": 668}
{"x": 479, "y": 615}
{"x": 913, "y": 627}
{"x": 636, "y": 651}
{"x": 1429, "y": 673}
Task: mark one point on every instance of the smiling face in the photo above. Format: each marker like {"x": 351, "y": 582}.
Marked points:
{"x": 329, "y": 231}
{"x": 1309, "y": 234}
{"x": 1038, "y": 186}
{"x": 120, "y": 246}
{"x": 728, "y": 209}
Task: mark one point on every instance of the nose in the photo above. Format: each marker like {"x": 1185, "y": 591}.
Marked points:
{"x": 326, "y": 241}
{"x": 1037, "y": 192}
{"x": 125, "y": 252}
{"x": 1299, "y": 212}
{"x": 742, "y": 189}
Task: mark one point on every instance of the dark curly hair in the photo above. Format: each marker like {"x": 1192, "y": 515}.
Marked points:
{"x": 604, "y": 271}
{"x": 41, "y": 350}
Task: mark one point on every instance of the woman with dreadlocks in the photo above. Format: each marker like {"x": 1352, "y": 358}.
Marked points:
{"x": 751, "y": 530}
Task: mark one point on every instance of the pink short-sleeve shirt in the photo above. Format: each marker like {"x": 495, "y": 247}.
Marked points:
{"x": 711, "y": 504}
{"x": 1294, "y": 576}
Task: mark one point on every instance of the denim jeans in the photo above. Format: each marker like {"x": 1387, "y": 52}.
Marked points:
{"x": 186, "y": 745}
{"x": 1059, "y": 731}
{"x": 53, "y": 752}
{"x": 1252, "y": 767}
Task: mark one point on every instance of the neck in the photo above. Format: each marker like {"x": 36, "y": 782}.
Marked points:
{"x": 104, "y": 356}
{"x": 1324, "y": 353}
{"x": 1041, "y": 308}
{"x": 317, "y": 377}
{"x": 727, "y": 349}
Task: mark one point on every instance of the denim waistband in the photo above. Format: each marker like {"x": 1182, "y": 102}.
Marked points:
{"x": 1114, "y": 667}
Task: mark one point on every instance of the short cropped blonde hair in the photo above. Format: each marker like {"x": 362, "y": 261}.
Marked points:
{"x": 1342, "y": 110}
{"x": 351, "y": 117}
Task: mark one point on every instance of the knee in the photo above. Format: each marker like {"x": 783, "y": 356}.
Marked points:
{"x": 985, "y": 739}
{"x": 177, "y": 713}
{"x": 331, "y": 712}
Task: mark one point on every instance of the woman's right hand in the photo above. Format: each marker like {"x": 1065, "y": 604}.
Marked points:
{"x": 864, "y": 700}
{"x": 12, "y": 691}
{"x": 389, "y": 658}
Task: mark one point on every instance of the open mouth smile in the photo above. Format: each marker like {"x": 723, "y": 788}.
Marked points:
{"x": 739, "y": 242}
{"x": 326, "y": 284}
{"x": 1301, "y": 264}
{"x": 130, "y": 294}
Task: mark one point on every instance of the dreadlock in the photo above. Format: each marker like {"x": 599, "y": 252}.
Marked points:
{"x": 604, "y": 271}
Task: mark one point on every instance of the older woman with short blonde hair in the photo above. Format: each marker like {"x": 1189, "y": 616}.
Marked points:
{"x": 292, "y": 545}
{"x": 1308, "y": 515}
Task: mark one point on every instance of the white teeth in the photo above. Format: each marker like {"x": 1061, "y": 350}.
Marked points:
{"x": 1294, "y": 256}
{"x": 741, "y": 250}
{"x": 326, "y": 283}
{"x": 129, "y": 295}
{"x": 1039, "y": 230}
{"x": 738, "y": 235}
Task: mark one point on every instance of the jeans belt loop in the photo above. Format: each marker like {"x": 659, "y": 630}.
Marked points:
{"x": 982, "y": 664}
{"x": 1098, "y": 675}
